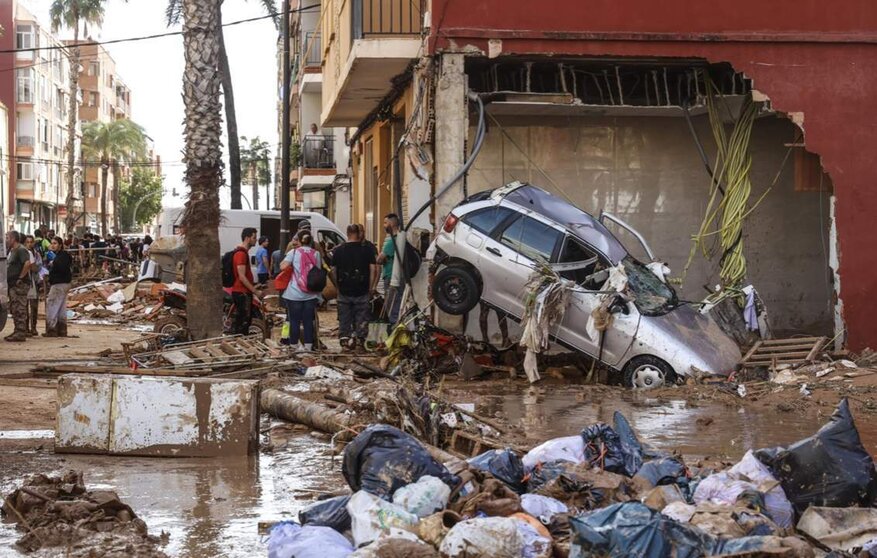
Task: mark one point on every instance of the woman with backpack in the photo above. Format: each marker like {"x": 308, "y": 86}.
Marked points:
{"x": 302, "y": 295}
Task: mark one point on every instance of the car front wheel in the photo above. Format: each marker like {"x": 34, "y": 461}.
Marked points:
{"x": 648, "y": 372}
{"x": 455, "y": 290}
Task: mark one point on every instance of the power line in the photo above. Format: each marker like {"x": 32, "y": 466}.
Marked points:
{"x": 154, "y": 36}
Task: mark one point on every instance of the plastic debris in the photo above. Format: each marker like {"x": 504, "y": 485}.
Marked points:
{"x": 831, "y": 468}
{"x": 290, "y": 540}
{"x": 424, "y": 497}
{"x": 840, "y": 528}
{"x": 544, "y": 508}
{"x": 331, "y": 512}
{"x": 370, "y": 517}
{"x": 536, "y": 544}
{"x": 383, "y": 459}
{"x": 504, "y": 465}
{"x": 487, "y": 537}
{"x": 568, "y": 448}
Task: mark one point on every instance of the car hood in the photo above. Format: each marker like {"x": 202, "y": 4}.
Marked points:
{"x": 696, "y": 340}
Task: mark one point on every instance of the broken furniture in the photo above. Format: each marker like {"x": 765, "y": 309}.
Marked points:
{"x": 774, "y": 352}
{"x": 213, "y": 353}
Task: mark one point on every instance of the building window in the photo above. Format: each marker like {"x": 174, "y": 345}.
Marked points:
{"x": 59, "y": 136}
{"x": 25, "y": 86}
{"x": 44, "y": 132}
{"x": 91, "y": 191}
{"x": 94, "y": 69}
{"x": 92, "y": 99}
{"x": 24, "y": 36}
{"x": 24, "y": 171}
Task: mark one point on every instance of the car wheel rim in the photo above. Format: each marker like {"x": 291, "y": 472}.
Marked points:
{"x": 455, "y": 292}
{"x": 170, "y": 328}
{"x": 647, "y": 377}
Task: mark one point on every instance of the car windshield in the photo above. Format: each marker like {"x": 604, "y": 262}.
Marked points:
{"x": 653, "y": 296}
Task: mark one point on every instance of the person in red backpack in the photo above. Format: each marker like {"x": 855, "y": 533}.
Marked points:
{"x": 301, "y": 304}
{"x": 243, "y": 291}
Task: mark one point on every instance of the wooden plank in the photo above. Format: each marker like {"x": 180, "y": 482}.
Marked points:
{"x": 816, "y": 348}
{"x": 53, "y": 371}
{"x": 230, "y": 349}
{"x": 792, "y": 354}
{"x": 786, "y": 348}
{"x": 215, "y": 351}
{"x": 752, "y": 351}
{"x": 791, "y": 341}
{"x": 200, "y": 354}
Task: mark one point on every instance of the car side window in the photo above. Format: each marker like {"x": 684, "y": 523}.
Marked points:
{"x": 576, "y": 251}
{"x": 486, "y": 220}
{"x": 531, "y": 238}
{"x": 329, "y": 239}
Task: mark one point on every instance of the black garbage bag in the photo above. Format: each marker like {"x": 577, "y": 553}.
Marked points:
{"x": 331, "y": 512}
{"x": 604, "y": 449}
{"x": 630, "y": 442}
{"x": 543, "y": 473}
{"x": 830, "y": 468}
{"x": 634, "y": 529}
{"x": 505, "y": 465}
{"x": 382, "y": 459}
{"x": 667, "y": 470}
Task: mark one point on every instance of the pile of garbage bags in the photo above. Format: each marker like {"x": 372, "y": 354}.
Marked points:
{"x": 600, "y": 493}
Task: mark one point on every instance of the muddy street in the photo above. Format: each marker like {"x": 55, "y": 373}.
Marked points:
{"x": 215, "y": 506}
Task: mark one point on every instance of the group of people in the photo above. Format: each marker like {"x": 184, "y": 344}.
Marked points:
{"x": 34, "y": 265}
{"x": 355, "y": 268}
{"x": 107, "y": 252}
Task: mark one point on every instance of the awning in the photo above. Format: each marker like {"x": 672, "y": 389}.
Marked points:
{"x": 315, "y": 183}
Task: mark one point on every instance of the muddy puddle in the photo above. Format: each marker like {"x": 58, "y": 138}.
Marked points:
{"x": 210, "y": 507}
{"x": 696, "y": 429}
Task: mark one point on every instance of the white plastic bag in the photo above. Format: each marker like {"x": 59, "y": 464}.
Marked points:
{"x": 117, "y": 296}
{"x": 291, "y": 540}
{"x": 535, "y": 545}
{"x": 424, "y": 497}
{"x": 569, "y": 448}
{"x": 543, "y": 508}
{"x": 483, "y": 537}
{"x": 370, "y": 517}
{"x": 748, "y": 474}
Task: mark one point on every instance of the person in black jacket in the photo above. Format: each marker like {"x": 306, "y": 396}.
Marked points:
{"x": 60, "y": 277}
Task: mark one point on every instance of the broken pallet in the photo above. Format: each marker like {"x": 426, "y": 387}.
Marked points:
{"x": 217, "y": 352}
{"x": 774, "y": 352}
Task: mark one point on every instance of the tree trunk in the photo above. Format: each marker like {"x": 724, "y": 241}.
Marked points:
{"x": 117, "y": 229}
{"x": 203, "y": 156}
{"x": 105, "y": 173}
{"x": 72, "y": 117}
{"x": 231, "y": 122}
{"x": 313, "y": 415}
{"x": 255, "y": 195}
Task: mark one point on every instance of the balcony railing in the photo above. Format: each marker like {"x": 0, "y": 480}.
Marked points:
{"x": 317, "y": 152}
{"x": 387, "y": 17}
{"x": 314, "y": 48}
{"x": 24, "y": 141}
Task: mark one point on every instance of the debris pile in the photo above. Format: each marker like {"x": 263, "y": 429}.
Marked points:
{"x": 600, "y": 493}
{"x": 59, "y": 515}
{"x": 117, "y": 302}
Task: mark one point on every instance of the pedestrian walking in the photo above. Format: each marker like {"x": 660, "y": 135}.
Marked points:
{"x": 301, "y": 303}
{"x": 17, "y": 270}
{"x": 60, "y": 277}
{"x": 35, "y": 281}
{"x": 263, "y": 266}
{"x": 355, "y": 273}
{"x": 243, "y": 291}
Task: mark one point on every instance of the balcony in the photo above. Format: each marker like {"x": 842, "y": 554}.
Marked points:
{"x": 376, "y": 41}
{"x": 24, "y": 141}
{"x": 318, "y": 152}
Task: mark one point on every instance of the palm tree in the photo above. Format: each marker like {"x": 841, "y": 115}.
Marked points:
{"x": 255, "y": 160}
{"x": 72, "y": 14}
{"x": 203, "y": 156}
{"x": 173, "y": 14}
{"x": 111, "y": 143}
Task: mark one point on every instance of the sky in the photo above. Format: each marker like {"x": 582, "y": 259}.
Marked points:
{"x": 153, "y": 69}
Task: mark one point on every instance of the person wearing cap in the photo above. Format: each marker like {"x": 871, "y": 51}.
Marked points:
{"x": 262, "y": 265}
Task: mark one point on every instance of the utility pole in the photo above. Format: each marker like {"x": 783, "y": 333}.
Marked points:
{"x": 285, "y": 135}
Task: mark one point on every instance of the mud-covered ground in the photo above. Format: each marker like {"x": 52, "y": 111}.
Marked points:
{"x": 214, "y": 507}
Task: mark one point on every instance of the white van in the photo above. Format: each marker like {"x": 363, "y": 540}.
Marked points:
{"x": 267, "y": 223}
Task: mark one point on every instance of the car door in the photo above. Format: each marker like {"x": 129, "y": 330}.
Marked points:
{"x": 573, "y": 329}
{"x": 513, "y": 251}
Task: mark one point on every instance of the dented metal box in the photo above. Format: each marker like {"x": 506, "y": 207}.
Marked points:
{"x": 157, "y": 416}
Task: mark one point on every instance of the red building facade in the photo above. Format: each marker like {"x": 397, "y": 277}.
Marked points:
{"x": 816, "y": 61}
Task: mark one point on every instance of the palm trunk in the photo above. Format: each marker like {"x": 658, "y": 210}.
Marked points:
{"x": 72, "y": 117}
{"x": 203, "y": 156}
{"x": 231, "y": 122}
{"x": 105, "y": 174}
{"x": 117, "y": 229}
{"x": 255, "y": 193}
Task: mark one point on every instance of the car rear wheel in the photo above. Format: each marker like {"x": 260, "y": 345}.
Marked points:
{"x": 170, "y": 325}
{"x": 648, "y": 372}
{"x": 455, "y": 290}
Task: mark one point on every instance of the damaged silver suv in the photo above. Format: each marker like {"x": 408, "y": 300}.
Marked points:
{"x": 490, "y": 245}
